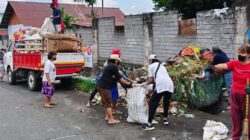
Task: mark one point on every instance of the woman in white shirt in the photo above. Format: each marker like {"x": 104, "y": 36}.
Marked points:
{"x": 49, "y": 77}
{"x": 163, "y": 88}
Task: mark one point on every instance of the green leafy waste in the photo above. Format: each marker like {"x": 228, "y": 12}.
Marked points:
{"x": 83, "y": 85}
{"x": 196, "y": 92}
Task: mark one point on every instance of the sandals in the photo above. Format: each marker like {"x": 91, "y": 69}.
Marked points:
{"x": 114, "y": 122}
{"x": 48, "y": 106}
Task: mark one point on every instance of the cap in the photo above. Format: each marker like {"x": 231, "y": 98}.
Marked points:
{"x": 207, "y": 54}
{"x": 115, "y": 56}
{"x": 117, "y": 51}
{"x": 152, "y": 56}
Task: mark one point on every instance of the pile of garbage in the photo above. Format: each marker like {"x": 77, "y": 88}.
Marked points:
{"x": 187, "y": 71}
{"x": 44, "y": 39}
{"x": 27, "y": 33}
{"x": 215, "y": 131}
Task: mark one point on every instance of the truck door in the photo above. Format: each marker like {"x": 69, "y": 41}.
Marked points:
{"x": 8, "y": 57}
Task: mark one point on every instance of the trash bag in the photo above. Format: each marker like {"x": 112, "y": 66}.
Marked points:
{"x": 47, "y": 27}
{"x": 137, "y": 105}
{"x": 206, "y": 92}
{"x": 214, "y": 131}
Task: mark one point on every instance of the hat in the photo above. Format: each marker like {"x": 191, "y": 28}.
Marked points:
{"x": 115, "y": 56}
{"x": 117, "y": 51}
{"x": 207, "y": 54}
{"x": 152, "y": 56}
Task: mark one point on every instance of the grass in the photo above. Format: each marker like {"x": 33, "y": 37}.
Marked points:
{"x": 83, "y": 85}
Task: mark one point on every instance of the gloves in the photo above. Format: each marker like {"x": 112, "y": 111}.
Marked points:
{"x": 248, "y": 90}
{"x": 210, "y": 69}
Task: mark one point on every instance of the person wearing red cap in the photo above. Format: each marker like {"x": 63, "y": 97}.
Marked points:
{"x": 94, "y": 92}
{"x": 116, "y": 51}
{"x": 107, "y": 82}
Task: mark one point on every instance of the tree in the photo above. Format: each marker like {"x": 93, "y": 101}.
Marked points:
{"x": 189, "y": 8}
{"x": 90, "y": 3}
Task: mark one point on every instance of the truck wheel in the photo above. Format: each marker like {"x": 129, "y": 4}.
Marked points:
{"x": 33, "y": 81}
{"x": 11, "y": 77}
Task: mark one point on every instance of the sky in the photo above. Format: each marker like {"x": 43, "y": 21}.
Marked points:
{"x": 127, "y": 6}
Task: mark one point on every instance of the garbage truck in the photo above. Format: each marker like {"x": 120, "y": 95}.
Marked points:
{"x": 25, "y": 59}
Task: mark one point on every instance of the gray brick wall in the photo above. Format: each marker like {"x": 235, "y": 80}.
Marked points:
{"x": 87, "y": 35}
{"x": 130, "y": 44}
{"x": 166, "y": 41}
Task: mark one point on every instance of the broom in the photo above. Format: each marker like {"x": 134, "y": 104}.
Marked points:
{"x": 245, "y": 125}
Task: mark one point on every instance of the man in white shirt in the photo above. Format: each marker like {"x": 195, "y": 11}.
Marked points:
{"x": 163, "y": 87}
{"x": 49, "y": 78}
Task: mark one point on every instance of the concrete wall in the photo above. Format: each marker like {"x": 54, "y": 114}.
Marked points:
{"x": 211, "y": 32}
{"x": 86, "y": 34}
{"x": 131, "y": 43}
{"x": 158, "y": 33}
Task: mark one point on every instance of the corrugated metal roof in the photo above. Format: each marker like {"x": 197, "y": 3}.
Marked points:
{"x": 33, "y": 13}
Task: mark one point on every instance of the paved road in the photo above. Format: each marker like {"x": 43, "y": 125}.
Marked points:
{"x": 22, "y": 117}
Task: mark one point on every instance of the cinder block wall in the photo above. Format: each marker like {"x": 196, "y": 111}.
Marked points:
{"x": 159, "y": 34}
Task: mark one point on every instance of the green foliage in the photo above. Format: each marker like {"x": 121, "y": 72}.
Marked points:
{"x": 189, "y": 8}
{"x": 89, "y": 2}
{"x": 83, "y": 85}
{"x": 68, "y": 19}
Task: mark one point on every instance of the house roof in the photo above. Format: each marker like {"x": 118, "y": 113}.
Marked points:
{"x": 33, "y": 13}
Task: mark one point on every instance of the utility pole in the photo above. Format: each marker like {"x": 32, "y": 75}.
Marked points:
{"x": 102, "y": 7}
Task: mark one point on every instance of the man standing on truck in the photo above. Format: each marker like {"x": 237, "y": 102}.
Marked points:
{"x": 49, "y": 78}
{"x": 56, "y": 18}
{"x": 1, "y": 65}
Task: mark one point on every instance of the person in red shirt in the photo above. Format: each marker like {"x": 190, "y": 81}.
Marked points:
{"x": 241, "y": 73}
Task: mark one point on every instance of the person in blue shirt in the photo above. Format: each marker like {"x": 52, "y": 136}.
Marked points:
{"x": 220, "y": 57}
{"x": 56, "y": 18}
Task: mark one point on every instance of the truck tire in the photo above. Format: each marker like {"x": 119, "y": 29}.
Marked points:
{"x": 11, "y": 77}
{"x": 33, "y": 81}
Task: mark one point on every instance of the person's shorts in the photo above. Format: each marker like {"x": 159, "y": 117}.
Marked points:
{"x": 48, "y": 90}
{"x": 106, "y": 98}
{"x": 114, "y": 94}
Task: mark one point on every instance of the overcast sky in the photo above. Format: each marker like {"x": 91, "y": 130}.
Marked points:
{"x": 127, "y": 6}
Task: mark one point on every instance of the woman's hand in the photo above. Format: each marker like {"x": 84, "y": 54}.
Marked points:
{"x": 49, "y": 83}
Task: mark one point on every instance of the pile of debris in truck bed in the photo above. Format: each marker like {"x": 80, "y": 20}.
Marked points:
{"x": 50, "y": 42}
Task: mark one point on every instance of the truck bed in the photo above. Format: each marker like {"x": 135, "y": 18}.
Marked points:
{"x": 66, "y": 63}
